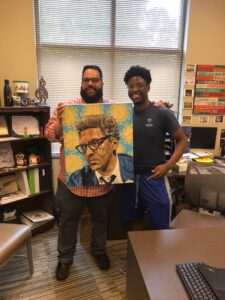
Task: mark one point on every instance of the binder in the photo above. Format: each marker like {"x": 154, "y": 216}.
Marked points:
{"x": 30, "y": 176}
{"x": 45, "y": 178}
{"x": 22, "y": 182}
{"x": 36, "y": 181}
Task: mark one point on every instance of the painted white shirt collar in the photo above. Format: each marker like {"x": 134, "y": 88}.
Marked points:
{"x": 116, "y": 173}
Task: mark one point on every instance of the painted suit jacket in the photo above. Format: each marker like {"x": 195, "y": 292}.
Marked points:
{"x": 86, "y": 176}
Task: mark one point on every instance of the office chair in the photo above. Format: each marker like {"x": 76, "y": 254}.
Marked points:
{"x": 12, "y": 238}
{"x": 205, "y": 192}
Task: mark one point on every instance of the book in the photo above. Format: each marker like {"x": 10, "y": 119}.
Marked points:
{"x": 37, "y": 216}
{"x": 22, "y": 182}
{"x": 204, "y": 159}
{"x": 6, "y": 156}
{"x": 31, "y": 178}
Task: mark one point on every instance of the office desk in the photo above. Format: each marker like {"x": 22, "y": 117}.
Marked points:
{"x": 152, "y": 256}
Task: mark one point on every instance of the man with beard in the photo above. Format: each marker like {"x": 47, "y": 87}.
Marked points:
{"x": 72, "y": 199}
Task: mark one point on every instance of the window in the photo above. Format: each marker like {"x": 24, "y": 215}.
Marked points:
{"x": 114, "y": 35}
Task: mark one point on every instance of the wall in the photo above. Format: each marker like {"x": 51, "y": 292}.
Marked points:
{"x": 17, "y": 51}
{"x": 205, "y": 42}
{"x": 206, "y": 45}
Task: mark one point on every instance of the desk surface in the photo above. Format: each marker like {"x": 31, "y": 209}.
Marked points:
{"x": 152, "y": 256}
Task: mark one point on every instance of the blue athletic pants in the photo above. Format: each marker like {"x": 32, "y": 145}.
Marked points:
{"x": 147, "y": 196}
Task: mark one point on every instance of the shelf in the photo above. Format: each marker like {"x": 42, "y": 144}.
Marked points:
{"x": 19, "y": 139}
{"x": 28, "y": 197}
{"x": 15, "y": 170}
{"x": 24, "y": 109}
{"x": 42, "y": 227}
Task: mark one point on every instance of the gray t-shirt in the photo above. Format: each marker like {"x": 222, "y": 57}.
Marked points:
{"x": 150, "y": 128}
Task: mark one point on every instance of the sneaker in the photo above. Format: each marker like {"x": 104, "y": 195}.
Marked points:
{"x": 102, "y": 261}
{"x": 123, "y": 268}
{"x": 62, "y": 270}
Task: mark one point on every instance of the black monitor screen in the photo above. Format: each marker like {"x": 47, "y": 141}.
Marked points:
{"x": 203, "y": 137}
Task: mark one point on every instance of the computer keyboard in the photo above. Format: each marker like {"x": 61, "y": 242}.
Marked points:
{"x": 194, "y": 281}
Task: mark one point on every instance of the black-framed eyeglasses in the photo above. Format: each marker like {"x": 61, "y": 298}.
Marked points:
{"x": 93, "y": 144}
{"x": 138, "y": 86}
{"x": 94, "y": 80}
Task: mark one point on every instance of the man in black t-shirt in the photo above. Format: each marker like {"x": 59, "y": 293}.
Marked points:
{"x": 151, "y": 193}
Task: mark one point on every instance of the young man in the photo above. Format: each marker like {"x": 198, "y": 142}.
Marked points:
{"x": 72, "y": 200}
{"x": 151, "y": 192}
{"x": 98, "y": 142}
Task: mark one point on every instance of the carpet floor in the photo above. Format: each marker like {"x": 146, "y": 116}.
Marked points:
{"x": 86, "y": 281}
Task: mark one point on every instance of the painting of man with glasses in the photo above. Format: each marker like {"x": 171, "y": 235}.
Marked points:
{"x": 102, "y": 147}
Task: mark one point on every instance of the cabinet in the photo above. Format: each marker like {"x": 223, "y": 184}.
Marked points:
{"x": 43, "y": 199}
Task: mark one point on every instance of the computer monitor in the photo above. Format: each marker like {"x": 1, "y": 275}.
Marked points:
{"x": 203, "y": 137}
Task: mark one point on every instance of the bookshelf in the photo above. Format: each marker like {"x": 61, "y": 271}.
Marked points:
{"x": 42, "y": 197}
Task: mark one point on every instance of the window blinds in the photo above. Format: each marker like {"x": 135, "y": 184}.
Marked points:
{"x": 114, "y": 35}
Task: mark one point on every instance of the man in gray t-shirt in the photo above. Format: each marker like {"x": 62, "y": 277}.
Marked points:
{"x": 151, "y": 193}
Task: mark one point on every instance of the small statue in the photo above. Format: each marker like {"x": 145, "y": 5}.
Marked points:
{"x": 41, "y": 92}
{"x": 26, "y": 134}
{"x": 7, "y": 94}
{"x": 20, "y": 159}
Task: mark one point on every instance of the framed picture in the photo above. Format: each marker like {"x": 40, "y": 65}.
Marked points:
{"x": 186, "y": 120}
{"x": 4, "y": 131}
{"x": 219, "y": 119}
{"x": 24, "y": 126}
{"x": 98, "y": 142}
{"x": 6, "y": 156}
{"x": 187, "y": 103}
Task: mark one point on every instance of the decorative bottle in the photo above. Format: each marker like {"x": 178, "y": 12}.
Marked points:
{"x": 7, "y": 94}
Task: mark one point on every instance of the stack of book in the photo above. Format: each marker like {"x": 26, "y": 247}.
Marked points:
{"x": 35, "y": 218}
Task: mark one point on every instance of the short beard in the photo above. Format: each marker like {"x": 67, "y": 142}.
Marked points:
{"x": 91, "y": 99}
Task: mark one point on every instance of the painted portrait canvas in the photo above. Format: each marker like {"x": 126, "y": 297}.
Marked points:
{"x": 98, "y": 143}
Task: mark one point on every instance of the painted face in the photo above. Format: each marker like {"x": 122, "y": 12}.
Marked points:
{"x": 92, "y": 86}
{"x": 97, "y": 148}
{"x": 138, "y": 89}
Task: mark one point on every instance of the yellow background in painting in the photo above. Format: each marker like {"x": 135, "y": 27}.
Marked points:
{"x": 120, "y": 113}
{"x": 92, "y": 110}
{"x": 70, "y": 116}
{"x": 71, "y": 140}
{"x": 73, "y": 162}
{"x": 128, "y": 134}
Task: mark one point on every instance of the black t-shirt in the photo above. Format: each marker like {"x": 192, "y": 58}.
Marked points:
{"x": 150, "y": 128}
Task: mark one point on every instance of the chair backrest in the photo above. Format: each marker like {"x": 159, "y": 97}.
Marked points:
{"x": 205, "y": 186}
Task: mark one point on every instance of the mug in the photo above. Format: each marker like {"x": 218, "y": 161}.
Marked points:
{"x": 34, "y": 159}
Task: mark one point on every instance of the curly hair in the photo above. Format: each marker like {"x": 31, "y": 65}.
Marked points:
{"x": 107, "y": 125}
{"x": 138, "y": 71}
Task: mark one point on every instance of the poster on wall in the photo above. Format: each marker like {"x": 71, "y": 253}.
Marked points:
{"x": 98, "y": 143}
{"x": 209, "y": 95}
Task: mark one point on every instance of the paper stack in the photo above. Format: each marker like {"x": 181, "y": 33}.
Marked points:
{"x": 35, "y": 218}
